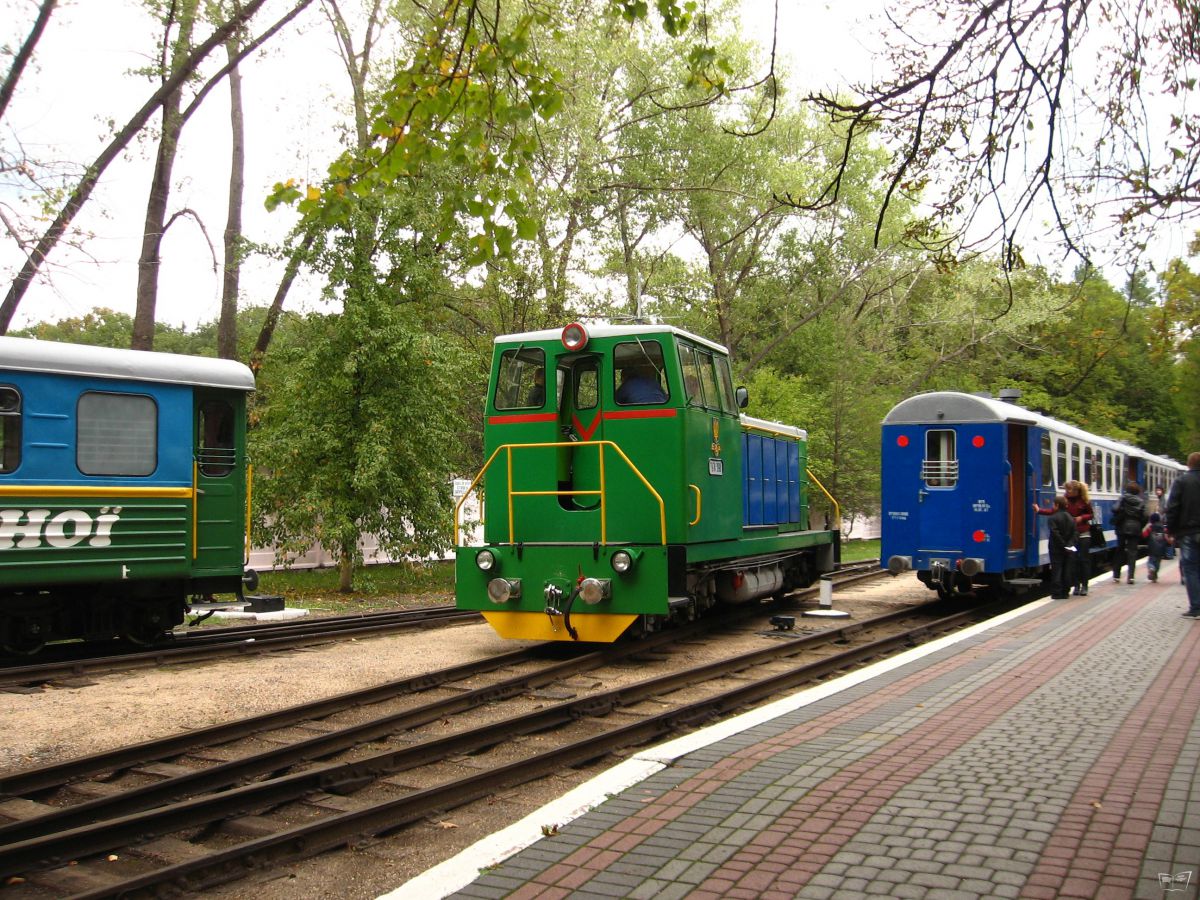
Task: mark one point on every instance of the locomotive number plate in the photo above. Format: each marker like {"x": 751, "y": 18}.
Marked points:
{"x": 716, "y": 466}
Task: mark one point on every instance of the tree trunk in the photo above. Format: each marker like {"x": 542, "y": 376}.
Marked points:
{"x": 24, "y": 54}
{"x": 227, "y": 327}
{"x": 153, "y": 228}
{"x": 285, "y": 284}
{"x": 346, "y": 571}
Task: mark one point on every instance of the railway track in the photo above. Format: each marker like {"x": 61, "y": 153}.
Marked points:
{"x": 198, "y": 810}
{"x": 73, "y": 661}
{"x": 218, "y": 643}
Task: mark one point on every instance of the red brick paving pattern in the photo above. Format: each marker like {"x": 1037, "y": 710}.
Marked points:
{"x": 782, "y": 858}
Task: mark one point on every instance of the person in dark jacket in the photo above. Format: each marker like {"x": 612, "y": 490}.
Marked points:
{"x": 1129, "y": 517}
{"x": 1156, "y": 545}
{"x": 1062, "y": 546}
{"x": 1183, "y": 525}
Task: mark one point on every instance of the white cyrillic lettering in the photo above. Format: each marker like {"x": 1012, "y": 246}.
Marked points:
{"x": 30, "y": 532}
{"x": 56, "y": 530}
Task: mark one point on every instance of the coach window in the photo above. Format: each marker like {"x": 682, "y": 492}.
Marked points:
{"x": 1075, "y": 470}
{"x": 1108, "y": 468}
{"x": 521, "y": 381}
{"x": 217, "y": 452}
{"x": 940, "y": 468}
{"x": 1060, "y": 473}
{"x": 116, "y": 434}
{"x": 1047, "y": 463}
{"x": 10, "y": 429}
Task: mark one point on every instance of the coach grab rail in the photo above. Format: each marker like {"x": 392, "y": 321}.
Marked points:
{"x": 602, "y": 493}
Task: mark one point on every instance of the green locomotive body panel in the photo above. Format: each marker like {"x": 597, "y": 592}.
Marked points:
{"x": 628, "y": 442}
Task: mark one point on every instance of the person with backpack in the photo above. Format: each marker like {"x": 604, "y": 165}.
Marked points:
{"x": 1156, "y": 545}
{"x": 1129, "y": 517}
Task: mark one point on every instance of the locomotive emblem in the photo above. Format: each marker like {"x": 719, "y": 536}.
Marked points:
{"x": 26, "y": 529}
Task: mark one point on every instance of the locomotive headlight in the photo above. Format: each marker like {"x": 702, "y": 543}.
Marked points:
{"x": 593, "y": 590}
{"x": 622, "y": 561}
{"x": 501, "y": 590}
{"x": 486, "y": 560}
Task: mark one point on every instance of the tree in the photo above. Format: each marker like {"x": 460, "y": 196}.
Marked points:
{"x": 985, "y": 104}
{"x": 36, "y": 251}
{"x": 357, "y": 436}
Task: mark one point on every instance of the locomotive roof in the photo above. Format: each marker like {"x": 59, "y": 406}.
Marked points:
{"x": 27, "y": 355}
{"x": 955, "y": 407}
{"x": 605, "y": 330}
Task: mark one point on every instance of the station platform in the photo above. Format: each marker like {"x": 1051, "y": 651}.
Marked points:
{"x": 1050, "y": 753}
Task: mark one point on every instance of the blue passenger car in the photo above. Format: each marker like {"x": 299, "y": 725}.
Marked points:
{"x": 123, "y": 489}
{"x": 961, "y": 473}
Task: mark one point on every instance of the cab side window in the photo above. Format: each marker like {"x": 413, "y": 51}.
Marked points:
{"x": 521, "y": 380}
{"x": 10, "y": 429}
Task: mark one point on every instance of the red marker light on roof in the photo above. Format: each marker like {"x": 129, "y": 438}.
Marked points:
{"x": 902, "y": 441}
{"x": 574, "y": 337}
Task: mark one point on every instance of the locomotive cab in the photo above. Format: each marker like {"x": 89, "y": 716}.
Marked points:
{"x": 616, "y": 488}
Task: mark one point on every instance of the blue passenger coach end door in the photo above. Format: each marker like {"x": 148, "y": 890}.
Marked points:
{"x": 940, "y": 507}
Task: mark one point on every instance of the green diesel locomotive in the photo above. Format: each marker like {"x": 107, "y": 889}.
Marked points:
{"x": 622, "y": 485}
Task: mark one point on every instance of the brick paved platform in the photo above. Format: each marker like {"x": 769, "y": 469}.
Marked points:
{"x": 1051, "y": 755}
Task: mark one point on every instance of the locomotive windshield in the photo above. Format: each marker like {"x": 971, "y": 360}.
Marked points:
{"x": 10, "y": 429}
{"x": 706, "y": 378}
{"x": 521, "y": 381}
{"x": 639, "y": 372}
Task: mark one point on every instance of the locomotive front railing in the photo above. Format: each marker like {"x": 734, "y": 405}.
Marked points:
{"x": 602, "y": 493}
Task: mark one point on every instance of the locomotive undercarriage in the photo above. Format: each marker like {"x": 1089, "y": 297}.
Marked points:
{"x": 734, "y": 582}
{"x": 142, "y": 614}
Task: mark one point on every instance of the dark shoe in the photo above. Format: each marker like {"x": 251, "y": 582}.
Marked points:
{"x": 1129, "y": 581}
{"x": 1075, "y": 592}
{"x": 1083, "y": 593}
{"x": 1116, "y": 579}
{"x": 1191, "y": 615}
{"x": 1154, "y": 576}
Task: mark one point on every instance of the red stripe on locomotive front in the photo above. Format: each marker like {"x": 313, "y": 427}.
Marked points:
{"x": 530, "y": 417}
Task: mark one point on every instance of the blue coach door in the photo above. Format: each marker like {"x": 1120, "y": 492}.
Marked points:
{"x": 938, "y": 495}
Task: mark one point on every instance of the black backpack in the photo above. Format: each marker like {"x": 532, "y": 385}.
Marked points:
{"x": 1130, "y": 515}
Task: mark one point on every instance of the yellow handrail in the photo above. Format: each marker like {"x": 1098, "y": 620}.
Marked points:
{"x": 696, "y": 521}
{"x": 837, "y": 509}
{"x": 602, "y": 492}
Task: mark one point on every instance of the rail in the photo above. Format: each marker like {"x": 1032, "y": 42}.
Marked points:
{"x": 602, "y": 493}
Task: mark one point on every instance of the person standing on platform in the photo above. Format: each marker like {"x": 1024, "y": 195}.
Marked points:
{"x": 1129, "y": 517}
{"x": 1062, "y": 546}
{"x": 1183, "y": 525}
{"x": 1079, "y": 505}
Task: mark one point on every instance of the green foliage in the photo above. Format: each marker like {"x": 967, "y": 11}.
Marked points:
{"x": 358, "y": 435}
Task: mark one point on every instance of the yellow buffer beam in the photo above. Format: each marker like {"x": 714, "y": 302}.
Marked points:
{"x": 601, "y": 628}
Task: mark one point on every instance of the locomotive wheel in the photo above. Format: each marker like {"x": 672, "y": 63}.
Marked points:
{"x": 144, "y": 634}
{"x": 24, "y": 638}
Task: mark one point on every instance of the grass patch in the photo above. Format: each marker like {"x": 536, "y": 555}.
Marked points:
{"x": 856, "y": 551}
{"x": 375, "y": 587}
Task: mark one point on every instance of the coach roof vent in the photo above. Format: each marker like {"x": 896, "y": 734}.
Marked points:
{"x": 1010, "y": 395}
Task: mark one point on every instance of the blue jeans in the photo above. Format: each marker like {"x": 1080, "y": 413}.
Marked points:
{"x": 1189, "y": 565}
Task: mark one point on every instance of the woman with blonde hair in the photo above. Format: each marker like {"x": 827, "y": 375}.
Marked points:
{"x": 1079, "y": 505}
